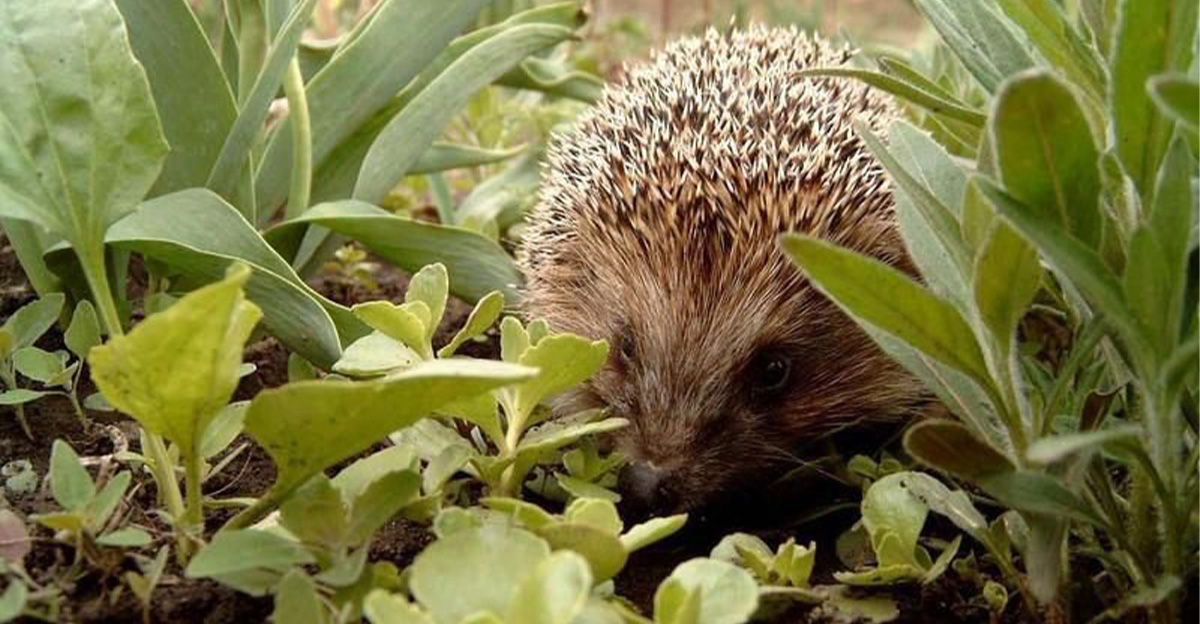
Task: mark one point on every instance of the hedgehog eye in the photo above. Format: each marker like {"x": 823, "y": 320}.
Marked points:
{"x": 771, "y": 372}
{"x": 627, "y": 346}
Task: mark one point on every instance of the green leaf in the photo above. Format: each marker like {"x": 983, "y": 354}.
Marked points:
{"x": 443, "y": 466}
{"x": 308, "y": 426}
{"x": 949, "y": 446}
{"x": 191, "y": 94}
{"x": 404, "y": 323}
{"x": 1046, "y": 153}
{"x": 38, "y": 365}
{"x": 943, "y": 561}
{"x": 604, "y": 552}
{"x": 459, "y": 575}
{"x": 70, "y": 482}
{"x": 1052, "y": 34}
{"x": 651, "y": 531}
{"x": 12, "y": 601}
{"x": 128, "y": 537}
{"x": 32, "y": 320}
{"x": 430, "y": 285}
{"x": 297, "y": 601}
{"x": 476, "y": 264}
{"x": 316, "y": 514}
{"x": 81, "y": 169}
{"x": 727, "y": 593}
{"x": 1178, "y": 96}
{"x": 889, "y": 507}
{"x": 1038, "y": 493}
{"x": 1081, "y": 265}
{"x": 177, "y": 369}
{"x": 228, "y": 168}
{"x": 979, "y": 38}
{"x": 84, "y": 331}
{"x": 198, "y": 234}
{"x": 373, "y": 355}
{"x": 400, "y": 40}
{"x": 1153, "y": 37}
{"x": 926, "y": 206}
{"x": 555, "y": 593}
{"x": 941, "y": 176}
{"x": 248, "y": 560}
{"x": 227, "y": 425}
{"x": 879, "y": 295}
{"x": 354, "y": 479}
{"x": 954, "y": 505}
{"x": 101, "y": 507}
{"x": 1007, "y": 276}
{"x": 447, "y": 156}
{"x": 906, "y": 90}
{"x": 676, "y": 604}
{"x": 482, "y": 317}
{"x": 559, "y": 433}
{"x": 563, "y": 360}
{"x": 596, "y": 513}
{"x": 381, "y": 607}
{"x": 554, "y": 77}
{"x": 421, "y": 121}
{"x": 1056, "y": 448}
{"x": 379, "y": 502}
{"x": 528, "y": 514}
{"x": 20, "y": 396}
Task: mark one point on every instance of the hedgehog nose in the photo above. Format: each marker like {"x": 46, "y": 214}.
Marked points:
{"x": 645, "y": 489}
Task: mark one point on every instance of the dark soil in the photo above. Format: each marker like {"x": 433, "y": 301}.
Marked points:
{"x": 92, "y": 595}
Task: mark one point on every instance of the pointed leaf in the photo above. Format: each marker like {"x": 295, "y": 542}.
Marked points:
{"x": 32, "y": 320}
{"x": 881, "y": 296}
{"x": 84, "y": 331}
{"x": 482, "y": 317}
{"x": 70, "y": 482}
{"x": 947, "y": 445}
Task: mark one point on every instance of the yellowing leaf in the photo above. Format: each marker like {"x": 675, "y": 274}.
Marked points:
{"x": 177, "y": 369}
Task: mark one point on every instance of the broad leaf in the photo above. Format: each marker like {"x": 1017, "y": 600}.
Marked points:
{"x": 70, "y": 482}
{"x": 308, "y": 426}
{"x": 297, "y": 601}
{"x": 482, "y": 317}
{"x": 1007, "y": 276}
{"x": 979, "y": 38}
{"x": 727, "y": 593}
{"x": 80, "y": 170}
{"x": 177, "y": 369}
{"x": 84, "y": 331}
{"x": 555, "y": 593}
{"x": 32, "y": 320}
{"x": 1046, "y": 153}
{"x": 459, "y": 575}
{"x": 250, "y": 560}
{"x": 947, "y": 445}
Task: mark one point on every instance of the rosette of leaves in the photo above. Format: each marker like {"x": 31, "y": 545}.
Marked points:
{"x": 894, "y": 519}
{"x": 455, "y": 581}
{"x": 513, "y": 431}
{"x": 790, "y": 565}
{"x": 589, "y": 526}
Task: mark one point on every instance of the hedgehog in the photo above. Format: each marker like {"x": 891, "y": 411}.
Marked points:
{"x": 656, "y": 229}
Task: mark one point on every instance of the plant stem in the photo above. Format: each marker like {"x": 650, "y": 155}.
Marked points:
{"x": 10, "y": 382}
{"x": 91, "y": 257}
{"x": 168, "y": 488}
{"x": 195, "y": 513}
{"x": 293, "y": 86}
{"x": 259, "y": 510}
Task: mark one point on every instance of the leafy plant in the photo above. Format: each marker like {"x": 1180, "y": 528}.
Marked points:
{"x": 19, "y": 333}
{"x": 589, "y": 526}
{"x": 362, "y": 119}
{"x": 894, "y": 519}
{"x": 87, "y": 513}
{"x": 1072, "y": 201}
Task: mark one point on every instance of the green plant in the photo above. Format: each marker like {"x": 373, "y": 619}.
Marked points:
{"x": 19, "y": 333}
{"x": 454, "y": 581}
{"x": 1072, "y": 201}
{"x": 374, "y": 110}
{"x": 88, "y": 514}
{"x": 588, "y": 526}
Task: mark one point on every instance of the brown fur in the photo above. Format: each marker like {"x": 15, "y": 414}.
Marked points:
{"x": 657, "y": 230}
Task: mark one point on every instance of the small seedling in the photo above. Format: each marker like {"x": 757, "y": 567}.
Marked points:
{"x": 894, "y": 518}
{"x": 18, "y": 333}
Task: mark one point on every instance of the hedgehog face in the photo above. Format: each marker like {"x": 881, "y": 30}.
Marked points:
{"x": 656, "y": 230}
